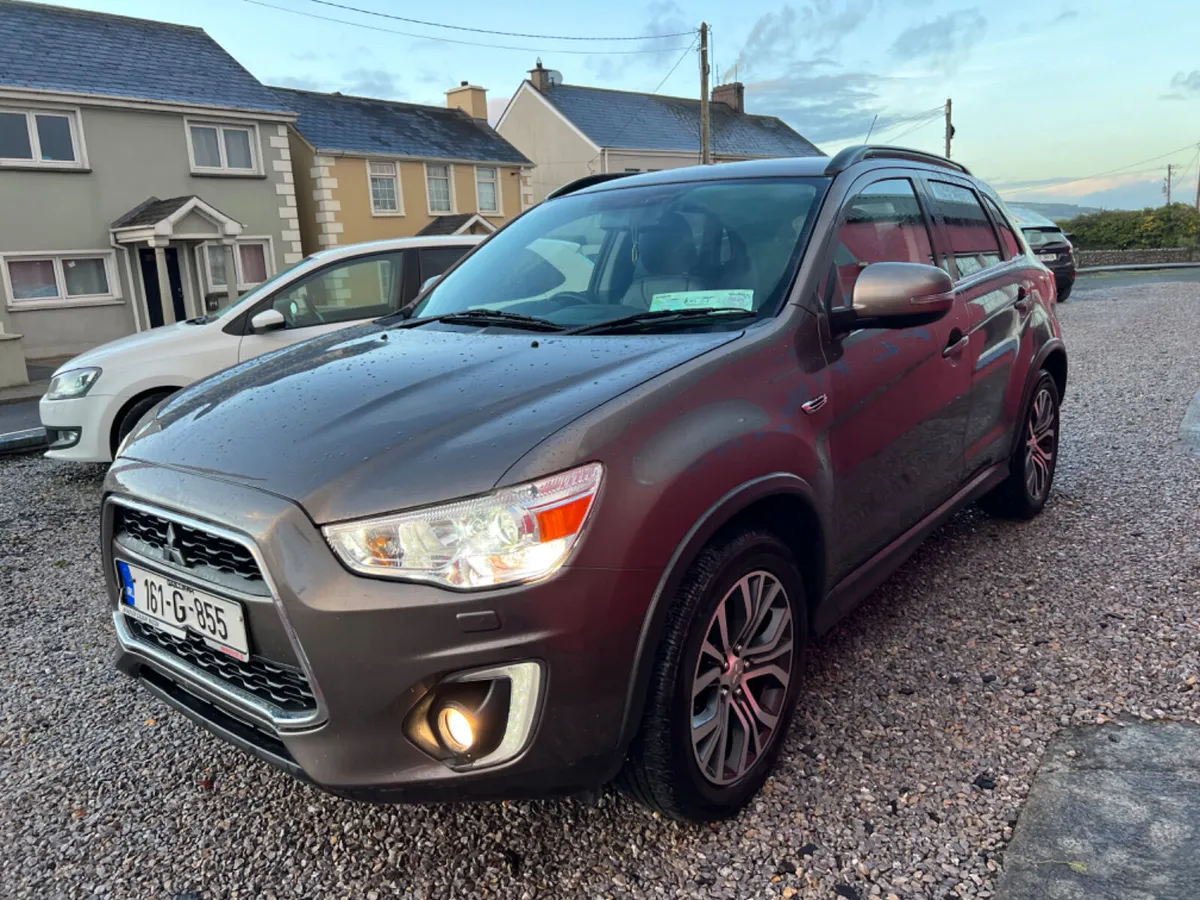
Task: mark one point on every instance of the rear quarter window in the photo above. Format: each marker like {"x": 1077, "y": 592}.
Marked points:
{"x": 973, "y": 241}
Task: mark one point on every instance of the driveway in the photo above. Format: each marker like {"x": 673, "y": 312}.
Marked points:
{"x": 914, "y": 747}
{"x": 1116, "y": 281}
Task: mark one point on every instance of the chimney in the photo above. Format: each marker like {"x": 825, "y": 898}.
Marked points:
{"x": 732, "y": 95}
{"x": 470, "y": 98}
{"x": 539, "y": 77}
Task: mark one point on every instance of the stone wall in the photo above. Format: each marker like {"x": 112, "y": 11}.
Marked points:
{"x": 1087, "y": 258}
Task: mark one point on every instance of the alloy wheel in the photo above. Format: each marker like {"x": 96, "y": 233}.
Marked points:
{"x": 741, "y": 679}
{"x": 1040, "y": 444}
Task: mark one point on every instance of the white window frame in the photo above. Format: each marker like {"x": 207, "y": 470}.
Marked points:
{"x": 395, "y": 164}
{"x": 62, "y": 301}
{"x": 224, "y": 170}
{"x": 499, "y": 210}
{"x": 453, "y": 210}
{"x": 74, "y": 119}
{"x": 203, "y": 265}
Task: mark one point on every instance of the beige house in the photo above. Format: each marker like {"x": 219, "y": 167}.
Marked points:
{"x": 370, "y": 169}
{"x": 570, "y": 131}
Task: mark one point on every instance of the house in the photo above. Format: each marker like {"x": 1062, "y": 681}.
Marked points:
{"x": 369, "y": 169}
{"x": 570, "y": 131}
{"x": 145, "y": 177}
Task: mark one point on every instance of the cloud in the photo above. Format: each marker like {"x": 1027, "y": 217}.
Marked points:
{"x": 496, "y": 107}
{"x": 1186, "y": 82}
{"x": 299, "y": 82}
{"x": 942, "y": 40}
{"x": 823, "y": 105}
{"x": 1065, "y": 16}
{"x": 663, "y": 17}
{"x": 816, "y": 30}
{"x": 372, "y": 83}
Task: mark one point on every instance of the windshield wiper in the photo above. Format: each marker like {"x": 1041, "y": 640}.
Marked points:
{"x": 485, "y": 317}
{"x": 662, "y": 316}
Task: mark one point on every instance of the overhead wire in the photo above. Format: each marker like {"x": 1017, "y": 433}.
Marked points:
{"x": 1055, "y": 184}
{"x": 446, "y": 40}
{"x": 541, "y": 37}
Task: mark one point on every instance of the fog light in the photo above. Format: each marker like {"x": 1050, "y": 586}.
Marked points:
{"x": 455, "y": 729}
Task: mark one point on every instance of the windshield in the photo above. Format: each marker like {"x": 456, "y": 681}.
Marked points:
{"x": 259, "y": 291}
{"x": 590, "y": 258}
{"x": 1038, "y": 237}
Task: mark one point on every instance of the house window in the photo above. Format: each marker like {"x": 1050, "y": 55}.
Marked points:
{"x": 35, "y": 137}
{"x": 385, "y": 188}
{"x": 487, "y": 189}
{"x": 61, "y": 278}
{"x": 437, "y": 183}
{"x": 222, "y": 148}
{"x": 250, "y": 260}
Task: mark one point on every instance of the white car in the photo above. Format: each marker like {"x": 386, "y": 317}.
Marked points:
{"x": 97, "y": 398}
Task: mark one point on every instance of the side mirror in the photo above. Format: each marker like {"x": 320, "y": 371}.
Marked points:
{"x": 896, "y": 295}
{"x": 430, "y": 282}
{"x": 267, "y": 320}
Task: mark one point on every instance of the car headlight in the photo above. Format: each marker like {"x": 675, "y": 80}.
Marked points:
{"x": 72, "y": 383}
{"x": 514, "y": 534}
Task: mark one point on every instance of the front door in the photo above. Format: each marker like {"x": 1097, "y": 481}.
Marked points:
{"x": 900, "y": 396}
{"x": 154, "y": 305}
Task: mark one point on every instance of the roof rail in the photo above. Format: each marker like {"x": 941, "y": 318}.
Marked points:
{"x": 586, "y": 182}
{"x": 851, "y": 155}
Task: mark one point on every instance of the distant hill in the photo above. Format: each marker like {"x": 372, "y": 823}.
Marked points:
{"x": 1059, "y": 212}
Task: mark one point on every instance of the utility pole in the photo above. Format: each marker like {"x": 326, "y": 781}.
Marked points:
{"x": 1169, "y": 168}
{"x": 949, "y": 128}
{"x": 705, "y": 154}
{"x": 1198, "y": 181}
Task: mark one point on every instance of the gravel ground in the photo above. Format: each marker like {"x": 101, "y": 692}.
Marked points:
{"x": 911, "y": 755}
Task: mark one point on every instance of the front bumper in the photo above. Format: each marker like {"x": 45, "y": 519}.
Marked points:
{"x": 372, "y": 649}
{"x": 91, "y": 415}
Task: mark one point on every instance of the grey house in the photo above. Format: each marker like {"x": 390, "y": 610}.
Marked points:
{"x": 570, "y": 131}
{"x": 145, "y": 177}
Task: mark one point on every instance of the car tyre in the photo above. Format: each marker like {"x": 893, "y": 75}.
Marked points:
{"x": 1064, "y": 292}
{"x": 1023, "y": 494}
{"x": 694, "y": 757}
{"x": 133, "y": 415}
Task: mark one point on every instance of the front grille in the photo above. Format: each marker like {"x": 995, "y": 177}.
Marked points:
{"x": 200, "y": 549}
{"x": 281, "y": 686}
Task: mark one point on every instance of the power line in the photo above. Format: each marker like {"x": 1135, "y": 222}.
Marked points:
{"x": 542, "y": 37}
{"x": 1042, "y": 187}
{"x": 444, "y": 40}
{"x": 921, "y": 118}
{"x": 928, "y": 121}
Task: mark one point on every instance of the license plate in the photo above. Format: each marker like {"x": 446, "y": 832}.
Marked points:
{"x": 177, "y": 608}
{"x": 1048, "y": 257}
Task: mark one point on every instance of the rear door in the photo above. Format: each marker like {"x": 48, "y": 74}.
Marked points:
{"x": 337, "y": 296}
{"x": 993, "y": 278}
{"x": 900, "y": 397}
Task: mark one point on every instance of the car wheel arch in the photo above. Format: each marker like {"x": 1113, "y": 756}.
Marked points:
{"x": 160, "y": 391}
{"x": 783, "y": 503}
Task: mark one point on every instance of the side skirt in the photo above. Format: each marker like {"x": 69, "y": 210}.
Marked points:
{"x": 852, "y": 589}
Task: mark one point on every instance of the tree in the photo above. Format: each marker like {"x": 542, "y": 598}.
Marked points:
{"x": 1177, "y": 225}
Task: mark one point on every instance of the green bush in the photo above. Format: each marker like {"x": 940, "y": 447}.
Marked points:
{"x": 1177, "y": 225}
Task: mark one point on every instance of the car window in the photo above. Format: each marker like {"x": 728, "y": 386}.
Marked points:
{"x": 1038, "y": 237}
{"x": 360, "y": 289}
{"x": 436, "y": 260}
{"x": 1007, "y": 235}
{"x": 882, "y": 223}
{"x": 973, "y": 241}
{"x": 593, "y": 257}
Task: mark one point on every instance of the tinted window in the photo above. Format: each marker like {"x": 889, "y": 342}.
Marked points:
{"x": 883, "y": 223}
{"x": 436, "y": 260}
{"x": 1011, "y": 244}
{"x": 1038, "y": 237}
{"x": 360, "y": 289}
{"x": 973, "y": 242}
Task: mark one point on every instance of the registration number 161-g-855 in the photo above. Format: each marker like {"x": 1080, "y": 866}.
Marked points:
{"x": 178, "y": 608}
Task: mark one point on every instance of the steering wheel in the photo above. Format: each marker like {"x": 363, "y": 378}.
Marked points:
{"x": 571, "y": 298}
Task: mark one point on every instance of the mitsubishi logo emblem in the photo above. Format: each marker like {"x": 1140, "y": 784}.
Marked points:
{"x": 172, "y": 551}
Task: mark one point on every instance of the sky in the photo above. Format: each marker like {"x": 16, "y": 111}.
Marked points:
{"x": 1074, "y": 101}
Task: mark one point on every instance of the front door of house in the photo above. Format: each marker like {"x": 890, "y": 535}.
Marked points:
{"x": 154, "y": 303}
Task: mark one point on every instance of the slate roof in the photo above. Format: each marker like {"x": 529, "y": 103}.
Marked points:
{"x": 633, "y": 121}
{"x": 446, "y": 224}
{"x": 151, "y": 211}
{"x": 389, "y": 128}
{"x": 58, "y": 49}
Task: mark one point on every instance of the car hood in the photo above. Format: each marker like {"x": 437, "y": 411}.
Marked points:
{"x": 368, "y": 420}
{"x": 156, "y": 341}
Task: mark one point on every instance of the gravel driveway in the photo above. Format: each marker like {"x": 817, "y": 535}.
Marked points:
{"x": 926, "y": 714}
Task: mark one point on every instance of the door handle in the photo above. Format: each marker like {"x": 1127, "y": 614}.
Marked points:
{"x": 814, "y": 404}
{"x": 1024, "y": 301}
{"x": 957, "y": 344}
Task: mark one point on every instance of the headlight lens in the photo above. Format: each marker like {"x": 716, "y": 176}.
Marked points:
{"x": 513, "y": 534}
{"x": 73, "y": 383}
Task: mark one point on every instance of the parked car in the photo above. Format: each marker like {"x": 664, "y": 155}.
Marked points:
{"x": 472, "y": 552}
{"x": 1050, "y": 244}
{"x": 94, "y": 400}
